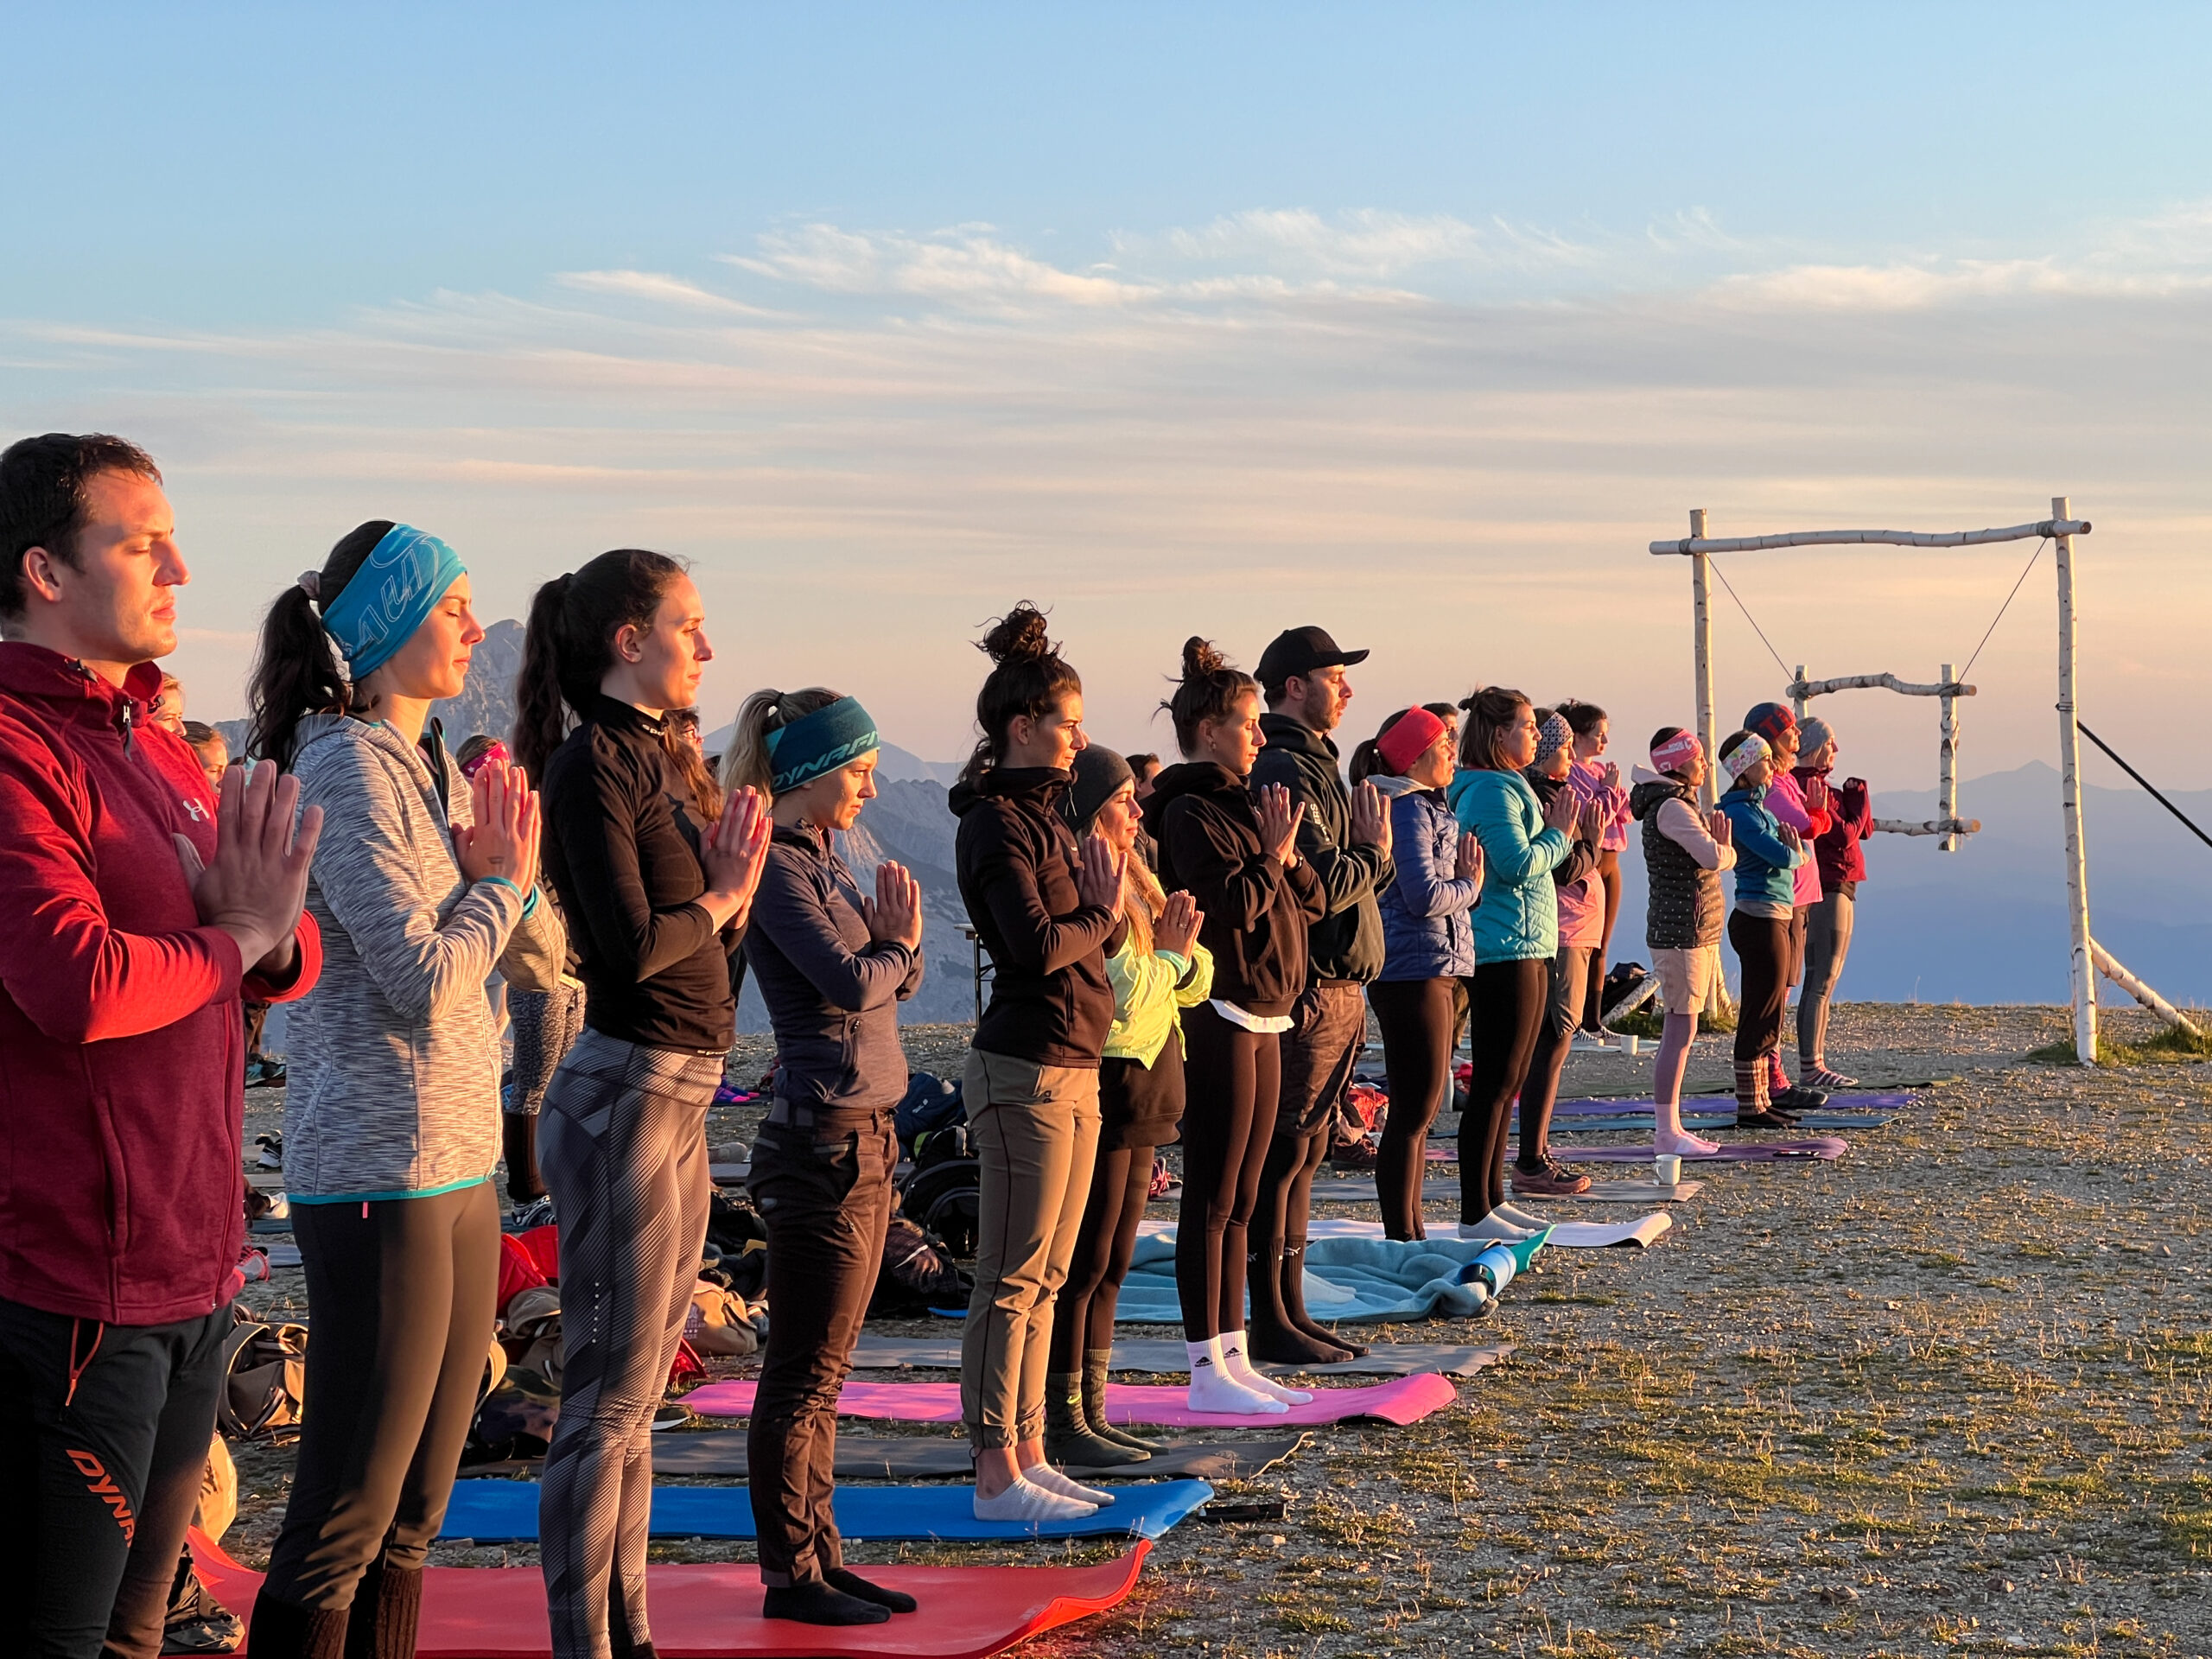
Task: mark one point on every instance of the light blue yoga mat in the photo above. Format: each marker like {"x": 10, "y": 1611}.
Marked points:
{"x": 506, "y": 1512}
{"x": 1354, "y": 1280}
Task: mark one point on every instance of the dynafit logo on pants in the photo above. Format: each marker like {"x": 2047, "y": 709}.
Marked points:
{"x": 102, "y": 1486}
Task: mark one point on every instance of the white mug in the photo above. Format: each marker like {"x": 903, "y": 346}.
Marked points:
{"x": 1667, "y": 1169}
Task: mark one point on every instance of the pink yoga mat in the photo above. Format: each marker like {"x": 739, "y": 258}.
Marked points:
{"x": 1402, "y": 1400}
{"x": 1740, "y": 1152}
{"x": 714, "y": 1611}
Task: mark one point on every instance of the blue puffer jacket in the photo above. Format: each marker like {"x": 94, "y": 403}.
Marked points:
{"x": 1764, "y": 859}
{"x": 1427, "y": 932}
{"x": 1517, "y": 919}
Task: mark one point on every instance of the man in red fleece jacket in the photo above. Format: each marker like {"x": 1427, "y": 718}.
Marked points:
{"x": 134, "y": 913}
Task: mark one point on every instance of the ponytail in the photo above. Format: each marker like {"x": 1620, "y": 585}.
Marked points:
{"x": 1489, "y": 712}
{"x": 297, "y": 671}
{"x": 570, "y": 647}
{"x": 746, "y": 764}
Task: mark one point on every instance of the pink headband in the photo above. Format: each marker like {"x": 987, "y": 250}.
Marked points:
{"x": 1408, "y": 741}
{"x": 1676, "y": 751}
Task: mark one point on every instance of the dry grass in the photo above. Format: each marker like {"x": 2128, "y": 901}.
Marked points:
{"x": 1947, "y": 1394}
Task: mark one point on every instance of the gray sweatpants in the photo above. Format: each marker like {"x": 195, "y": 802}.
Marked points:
{"x": 1828, "y": 942}
{"x": 623, "y": 1149}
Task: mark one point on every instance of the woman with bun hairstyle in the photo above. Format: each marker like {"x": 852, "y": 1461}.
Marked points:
{"x": 1236, "y": 852}
{"x": 1804, "y": 807}
{"x": 1428, "y": 943}
{"x": 1157, "y": 969}
{"x": 423, "y": 886}
{"x": 1516, "y": 936}
{"x": 1043, "y": 905}
{"x": 1595, "y": 782}
{"x": 832, "y": 963}
{"x": 1768, "y": 853}
{"x": 656, "y": 875}
{"x": 1684, "y": 852}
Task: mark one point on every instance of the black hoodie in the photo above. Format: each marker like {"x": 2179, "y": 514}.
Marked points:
{"x": 1257, "y": 912}
{"x": 1015, "y": 855}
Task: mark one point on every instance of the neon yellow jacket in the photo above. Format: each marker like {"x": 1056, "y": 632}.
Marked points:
{"x": 1146, "y": 997}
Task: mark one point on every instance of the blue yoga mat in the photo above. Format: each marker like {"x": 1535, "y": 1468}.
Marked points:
{"x": 506, "y": 1512}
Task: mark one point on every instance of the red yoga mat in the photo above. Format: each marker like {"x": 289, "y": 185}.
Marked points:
{"x": 1402, "y": 1400}
{"x": 714, "y": 1612}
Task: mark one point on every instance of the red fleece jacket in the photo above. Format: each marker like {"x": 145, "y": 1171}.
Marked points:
{"x": 122, "y": 1043}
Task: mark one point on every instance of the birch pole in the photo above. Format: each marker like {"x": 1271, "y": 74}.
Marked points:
{"x": 2069, "y": 801}
{"x": 1947, "y": 759}
{"x": 1701, "y": 647}
{"x": 1797, "y": 693}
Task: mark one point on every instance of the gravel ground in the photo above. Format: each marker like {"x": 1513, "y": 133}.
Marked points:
{"x": 1947, "y": 1394}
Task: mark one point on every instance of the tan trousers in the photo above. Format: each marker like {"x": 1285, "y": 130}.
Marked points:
{"x": 1035, "y": 1132}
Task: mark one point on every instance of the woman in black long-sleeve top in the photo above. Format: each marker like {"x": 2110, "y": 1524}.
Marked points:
{"x": 1237, "y": 856}
{"x": 832, "y": 965}
{"x": 655, "y": 888}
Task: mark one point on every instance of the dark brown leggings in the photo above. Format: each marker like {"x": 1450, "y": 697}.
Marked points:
{"x": 1417, "y": 1019}
{"x": 1505, "y": 1011}
{"x": 1082, "y": 1318}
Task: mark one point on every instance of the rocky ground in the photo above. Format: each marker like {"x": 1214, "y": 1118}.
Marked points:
{"x": 1948, "y": 1394}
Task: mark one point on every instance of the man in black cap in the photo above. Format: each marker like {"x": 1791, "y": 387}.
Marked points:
{"x": 1345, "y": 836}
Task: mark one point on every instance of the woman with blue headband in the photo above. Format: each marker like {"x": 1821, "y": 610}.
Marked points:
{"x": 425, "y": 885}
{"x": 833, "y": 964}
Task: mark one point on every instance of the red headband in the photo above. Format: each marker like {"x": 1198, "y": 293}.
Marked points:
{"x": 1408, "y": 741}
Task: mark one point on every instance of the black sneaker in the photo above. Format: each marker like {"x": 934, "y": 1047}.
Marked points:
{"x": 668, "y": 1414}
{"x": 1798, "y": 1098}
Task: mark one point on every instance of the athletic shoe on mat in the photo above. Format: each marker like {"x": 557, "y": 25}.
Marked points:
{"x": 1766, "y": 1120}
{"x": 272, "y": 1155}
{"x": 1821, "y": 1078}
{"x": 668, "y": 1414}
{"x": 1799, "y": 1099}
{"x": 1551, "y": 1181}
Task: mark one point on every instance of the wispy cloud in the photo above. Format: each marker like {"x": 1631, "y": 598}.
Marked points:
{"x": 657, "y": 288}
{"x": 968, "y": 266}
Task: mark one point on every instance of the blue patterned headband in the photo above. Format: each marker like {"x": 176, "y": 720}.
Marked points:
{"x": 397, "y": 587}
{"x": 817, "y": 744}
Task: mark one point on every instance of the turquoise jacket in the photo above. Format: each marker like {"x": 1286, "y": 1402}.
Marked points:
{"x": 1517, "y": 918}
{"x": 1764, "y": 861}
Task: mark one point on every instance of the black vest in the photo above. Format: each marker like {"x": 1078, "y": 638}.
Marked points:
{"x": 1687, "y": 908}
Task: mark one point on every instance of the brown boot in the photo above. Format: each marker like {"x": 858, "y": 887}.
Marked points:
{"x": 284, "y": 1630}
{"x": 387, "y": 1608}
{"x": 1096, "y": 1364}
{"x": 1068, "y": 1440}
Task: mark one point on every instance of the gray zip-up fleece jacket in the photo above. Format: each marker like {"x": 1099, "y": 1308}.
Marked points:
{"x": 394, "y": 1089}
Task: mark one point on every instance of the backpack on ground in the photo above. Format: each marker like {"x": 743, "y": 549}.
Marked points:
{"x": 265, "y": 1382}
{"x": 930, "y": 1103}
{"x": 916, "y": 1276}
{"x": 946, "y": 1198}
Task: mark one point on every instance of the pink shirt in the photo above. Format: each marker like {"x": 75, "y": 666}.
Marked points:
{"x": 1587, "y": 780}
{"x": 1786, "y": 800}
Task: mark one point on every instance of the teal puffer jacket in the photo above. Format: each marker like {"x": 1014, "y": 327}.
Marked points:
{"x": 1517, "y": 918}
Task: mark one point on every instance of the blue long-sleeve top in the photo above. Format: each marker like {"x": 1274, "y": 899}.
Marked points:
{"x": 1764, "y": 862}
{"x": 1517, "y": 919}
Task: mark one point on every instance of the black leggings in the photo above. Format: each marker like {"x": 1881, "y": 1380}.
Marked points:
{"x": 1233, "y": 1078}
{"x": 1562, "y": 1018}
{"x": 1505, "y": 1010}
{"x": 1762, "y": 946}
{"x": 1417, "y": 1018}
{"x": 1083, "y": 1320}
{"x": 405, "y": 1295}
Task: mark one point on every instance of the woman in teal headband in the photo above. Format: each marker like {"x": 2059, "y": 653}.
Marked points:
{"x": 832, "y": 964}
{"x": 425, "y": 885}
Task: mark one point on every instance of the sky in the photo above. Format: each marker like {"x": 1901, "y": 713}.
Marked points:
{"x": 1418, "y": 323}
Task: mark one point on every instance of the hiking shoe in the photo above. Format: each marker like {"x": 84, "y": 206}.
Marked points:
{"x": 668, "y": 1414}
{"x": 1352, "y": 1155}
{"x": 1819, "y": 1077}
{"x": 1766, "y": 1120}
{"x": 272, "y": 1155}
{"x": 1551, "y": 1179}
{"x": 538, "y": 1213}
{"x": 1799, "y": 1099}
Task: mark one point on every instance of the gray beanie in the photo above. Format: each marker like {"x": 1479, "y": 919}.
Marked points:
{"x": 1814, "y": 733}
{"x": 1098, "y": 772}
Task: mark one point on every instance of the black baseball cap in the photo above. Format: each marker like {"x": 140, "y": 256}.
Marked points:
{"x": 1300, "y": 651}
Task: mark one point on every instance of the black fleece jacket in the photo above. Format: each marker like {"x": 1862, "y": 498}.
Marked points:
{"x": 1015, "y": 857}
{"x": 1347, "y": 942}
{"x": 1257, "y": 912}
{"x": 622, "y": 849}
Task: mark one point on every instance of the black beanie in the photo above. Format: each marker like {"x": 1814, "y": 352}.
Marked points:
{"x": 1098, "y": 772}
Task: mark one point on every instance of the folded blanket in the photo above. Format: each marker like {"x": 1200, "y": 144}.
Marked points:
{"x": 1354, "y": 1280}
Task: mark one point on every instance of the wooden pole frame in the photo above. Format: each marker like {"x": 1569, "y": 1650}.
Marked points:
{"x": 2062, "y": 527}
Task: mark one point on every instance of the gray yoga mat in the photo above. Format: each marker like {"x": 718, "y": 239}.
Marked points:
{"x": 1448, "y": 1191}
{"x": 930, "y": 1456}
{"x": 1155, "y": 1357}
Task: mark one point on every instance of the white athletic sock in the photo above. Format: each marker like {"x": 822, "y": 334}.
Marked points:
{"x": 1239, "y": 1365}
{"x": 1495, "y": 1226}
{"x": 1213, "y": 1387}
{"x": 1052, "y": 1480}
{"x": 1681, "y": 1143}
{"x": 1027, "y": 1501}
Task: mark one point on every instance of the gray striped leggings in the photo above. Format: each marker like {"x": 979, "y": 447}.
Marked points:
{"x": 623, "y": 1150}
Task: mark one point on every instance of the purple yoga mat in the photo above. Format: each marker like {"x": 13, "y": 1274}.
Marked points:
{"x": 1402, "y": 1400}
{"x": 1741, "y": 1152}
{"x": 1694, "y": 1104}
